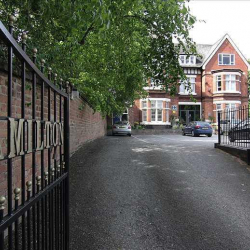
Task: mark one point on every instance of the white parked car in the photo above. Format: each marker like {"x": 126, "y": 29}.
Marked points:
{"x": 121, "y": 127}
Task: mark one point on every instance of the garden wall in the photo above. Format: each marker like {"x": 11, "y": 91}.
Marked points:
{"x": 85, "y": 125}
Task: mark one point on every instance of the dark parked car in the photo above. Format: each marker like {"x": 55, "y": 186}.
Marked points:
{"x": 240, "y": 132}
{"x": 226, "y": 125}
{"x": 198, "y": 128}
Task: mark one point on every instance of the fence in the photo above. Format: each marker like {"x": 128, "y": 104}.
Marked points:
{"x": 234, "y": 127}
{"x": 34, "y": 154}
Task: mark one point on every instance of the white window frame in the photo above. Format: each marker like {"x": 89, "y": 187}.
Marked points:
{"x": 151, "y": 104}
{"x": 153, "y": 86}
{"x": 217, "y": 81}
{"x": 229, "y": 82}
{"x": 144, "y": 118}
{"x": 229, "y": 115}
{"x": 142, "y": 104}
{"x": 184, "y": 86}
{"x": 187, "y": 60}
{"x": 223, "y": 80}
{"x": 154, "y": 110}
{"x": 218, "y": 110}
{"x": 158, "y": 108}
{"x": 231, "y": 59}
{"x": 230, "y": 105}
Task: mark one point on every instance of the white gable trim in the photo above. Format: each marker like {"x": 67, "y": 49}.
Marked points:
{"x": 218, "y": 46}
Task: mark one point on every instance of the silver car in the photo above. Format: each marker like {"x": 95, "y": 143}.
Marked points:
{"x": 121, "y": 127}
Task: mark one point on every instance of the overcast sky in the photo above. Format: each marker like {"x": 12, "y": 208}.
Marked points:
{"x": 222, "y": 16}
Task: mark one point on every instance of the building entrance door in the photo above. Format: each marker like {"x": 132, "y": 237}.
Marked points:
{"x": 189, "y": 113}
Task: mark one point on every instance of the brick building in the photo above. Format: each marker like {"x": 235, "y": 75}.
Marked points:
{"x": 218, "y": 81}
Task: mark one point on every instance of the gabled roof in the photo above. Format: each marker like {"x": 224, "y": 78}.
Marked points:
{"x": 217, "y": 45}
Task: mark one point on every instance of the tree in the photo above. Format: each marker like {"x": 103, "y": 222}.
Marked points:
{"x": 108, "y": 48}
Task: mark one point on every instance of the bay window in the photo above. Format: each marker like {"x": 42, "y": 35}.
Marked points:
{"x": 144, "y": 104}
{"x": 144, "y": 115}
{"x": 153, "y": 104}
{"x": 159, "y": 115}
{"x": 230, "y": 82}
{"x": 155, "y": 110}
{"x": 229, "y": 113}
{"x": 227, "y": 82}
{"x": 218, "y": 83}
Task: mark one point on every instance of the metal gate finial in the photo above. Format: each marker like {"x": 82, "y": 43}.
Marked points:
{"x": 17, "y": 192}
{"x": 2, "y": 201}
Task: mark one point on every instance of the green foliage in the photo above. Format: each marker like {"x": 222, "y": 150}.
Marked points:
{"x": 211, "y": 119}
{"x": 28, "y": 104}
{"x": 27, "y": 87}
{"x": 81, "y": 106}
{"x": 176, "y": 127}
{"x": 107, "y": 48}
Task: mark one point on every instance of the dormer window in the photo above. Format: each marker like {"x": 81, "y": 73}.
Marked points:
{"x": 182, "y": 59}
{"x": 187, "y": 60}
{"x": 226, "y": 59}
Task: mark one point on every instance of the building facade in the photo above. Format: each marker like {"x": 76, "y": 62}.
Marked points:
{"x": 218, "y": 80}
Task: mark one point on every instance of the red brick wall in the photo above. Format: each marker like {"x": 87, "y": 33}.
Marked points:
{"x": 226, "y": 47}
{"x": 209, "y": 84}
{"x": 85, "y": 125}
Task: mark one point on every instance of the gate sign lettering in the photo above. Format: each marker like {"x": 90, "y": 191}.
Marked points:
{"x": 53, "y": 135}
{"x": 174, "y": 107}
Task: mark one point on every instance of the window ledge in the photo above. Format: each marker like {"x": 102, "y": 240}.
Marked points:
{"x": 181, "y": 93}
{"x": 226, "y": 64}
{"x": 227, "y": 92}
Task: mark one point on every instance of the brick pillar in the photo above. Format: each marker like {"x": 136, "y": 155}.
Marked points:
{"x": 149, "y": 112}
{"x": 164, "y": 112}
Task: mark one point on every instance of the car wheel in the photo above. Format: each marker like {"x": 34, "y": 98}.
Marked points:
{"x": 113, "y": 133}
{"x": 183, "y": 133}
{"x": 193, "y": 134}
{"x": 209, "y": 135}
{"x": 129, "y": 134}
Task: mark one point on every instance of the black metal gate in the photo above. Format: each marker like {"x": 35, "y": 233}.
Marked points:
{"x": 34, "y": 152}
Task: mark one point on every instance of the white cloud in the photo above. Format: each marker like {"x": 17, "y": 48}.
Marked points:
{"x": 222, "y": 17}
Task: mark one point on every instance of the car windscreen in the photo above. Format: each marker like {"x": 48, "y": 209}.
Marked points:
{"x": 121, "y": 123}
{"x": 203, "y": 124}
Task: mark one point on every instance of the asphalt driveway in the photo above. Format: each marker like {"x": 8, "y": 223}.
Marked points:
{"x": 158, "y": 192}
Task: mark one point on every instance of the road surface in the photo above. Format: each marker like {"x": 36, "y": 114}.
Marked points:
{"x": 158, "y": 192}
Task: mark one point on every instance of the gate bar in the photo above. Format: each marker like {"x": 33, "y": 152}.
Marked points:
{"x": 8, "y": 220}
{"x": 9, "y": 161}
